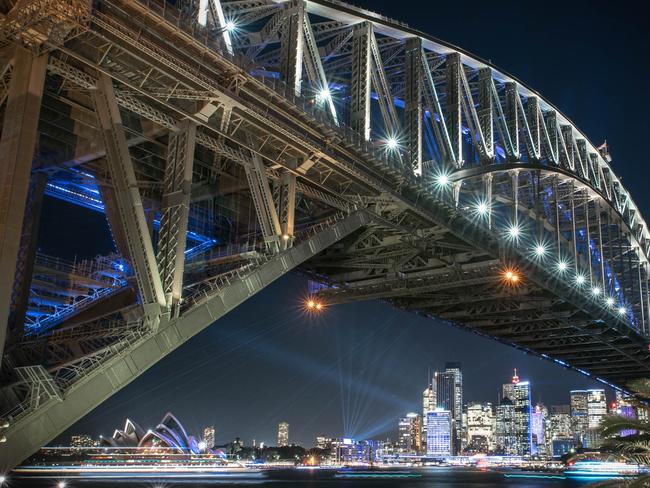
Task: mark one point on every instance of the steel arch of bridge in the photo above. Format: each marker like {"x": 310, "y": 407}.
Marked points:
{"x": 376, "y": 158}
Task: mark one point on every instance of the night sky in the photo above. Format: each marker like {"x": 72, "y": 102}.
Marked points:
{"x": 358, "y": 367}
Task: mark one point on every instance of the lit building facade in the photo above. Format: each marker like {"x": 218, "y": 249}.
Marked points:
{"x": 596, "y": 412}
{"x": 449, "y": 396}
{"x": 410, "y": 433}
{"x": 505, "y": 437}
{"x": 538, "y": 421}
{"x": 208, "y": 436}
{"x": 480, "y": 427}
{"x": 439, "y": 433}
{"x": 579, "y": 415}
{"x": 518, "y": 392}
{"x": 82, "y": 441}
{"x": 283, "y": 434}
{"x": 428, "y": 405}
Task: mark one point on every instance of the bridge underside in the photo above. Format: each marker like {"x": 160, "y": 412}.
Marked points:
{"x": 382, "y": 163}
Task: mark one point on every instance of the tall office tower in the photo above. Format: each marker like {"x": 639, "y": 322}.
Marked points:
{"x": 208, "y": 436}
{"x": 596, "y": 411}
{"x": 579, "y": 415}
{"x": 538, "y": 421}
{"x": 449, "y": 396}
{"x": 480, "y": 427}
{"x": 428, "y": 405}
{"x": 439, "y": 433}
{"x": 410, "y": 433}
{"x": 505, "y": 437}
{"x": 283, "y": 434}
{"x": 518, "y": 392}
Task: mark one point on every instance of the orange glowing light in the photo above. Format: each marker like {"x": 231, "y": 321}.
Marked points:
{"x": 311, "y": 304}
{"x": 319, "y": 306}
{"x": 511, "y": 277}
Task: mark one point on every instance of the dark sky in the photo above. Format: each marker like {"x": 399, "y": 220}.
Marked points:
{"x": 357, "y": 368}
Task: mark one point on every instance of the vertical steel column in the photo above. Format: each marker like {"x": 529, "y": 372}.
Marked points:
{"x": 26, "y": 255}
{"x": 213, "y": 7}
{"x": 292, "y": 47}
{"x": 534, "y": 139}
{"x": 129, "y": 202}
{"x": 454, "y": 117}
{"x": 573, "y": 223}
{"x": 588, "y": 238}
{"x": 601, "y": 251}
{"x": 488, "y": 193}
{"x": 551, "y": 133}
{"x": 413, "y": 103}
{"x": 486, "y": 112}
{"x": 286, "y": 205}
{"x": 19, "y": 136}
{"x": 360, "y": 82}
{"x": 175, "y": 208}
{"x": 512, "y": 116}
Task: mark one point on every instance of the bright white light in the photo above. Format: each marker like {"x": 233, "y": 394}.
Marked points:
{"x": 324, "y": 94}
{"x": 562, "y": 266}
{"x": 595, "y": 291}
{"x": 2, "y": 479}
{"x": 61, "y": 484}
{"x": 609, "y": 301}
{"x": 622, "y": 310}
{"x": 231, "y": 26}
{"x": 580, "y": 279}
{"x": 482, "y": 208}
{"x": 202, "y": 445}
{"x": 514, "y": 231}
{"x": 540, "y": 250}
{"x": 443, "y": 179}
{"x": 392, "y": 143}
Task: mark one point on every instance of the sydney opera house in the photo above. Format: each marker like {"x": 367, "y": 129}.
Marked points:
{"x": 168, "y": 434}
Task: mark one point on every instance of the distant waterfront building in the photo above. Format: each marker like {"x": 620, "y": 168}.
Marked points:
{"x": 208, "y": 436}
{"x": 480, "y": 427}
{"x": 350, "y": 451}
{"x": 428, "y": 405}
{"x": 410, "y": 432}
{"x": 449, "y": 396}
{"x": 82, "y": 441}
{"x": 518, "y": 392}
{"x": 439, "y": 433}
{"x": 323, "y": 442}
{"x": 579, "y": 415}
{"x": 283, "y": 434}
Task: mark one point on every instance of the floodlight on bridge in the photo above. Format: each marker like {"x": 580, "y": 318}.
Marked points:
{"x": 580, "y": 279}
{"x": 610, "y": 301}
{"x": 482, "y": 208}
{"x": 230, "y": 26}
{"x": 540, "y": 250}
{"x": 511, "y": 276}
{"x": 514, "y": 231}
{"x": 595, "y": 291}
{"x": 324, "y": 94}
{"x": 562, "y": 266}
{"x": 442, "y": 179}
{"x": 314, "y": 306}
{"x": 392, "y": 143}
{"x": 622, "y": 310}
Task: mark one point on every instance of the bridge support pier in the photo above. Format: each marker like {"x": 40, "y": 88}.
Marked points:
{"x": 19, "y": 136}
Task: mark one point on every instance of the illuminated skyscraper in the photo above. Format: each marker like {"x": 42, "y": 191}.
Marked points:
{"x": 208, "y": 436}
{"x": 428, "y": 405}
{"x": 439, "y": 433}
{"x": 579, "y": 415}
{"x": 596, "y": 411}
{"x": 505, "y": 437}
{"x": 538, "y": 421}
{"x": 449, "y": 396}
{"x": 410, "y": 433}
{"x": 283, "y": 434}
{"x": 518, "y": 392}
{"x": 480, "y": 427}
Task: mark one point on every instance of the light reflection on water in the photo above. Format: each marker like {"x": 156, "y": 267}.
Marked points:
{"x": 412, "y": 478}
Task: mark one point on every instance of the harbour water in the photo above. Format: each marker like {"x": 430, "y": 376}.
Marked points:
{"x": 408, "y": 478}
